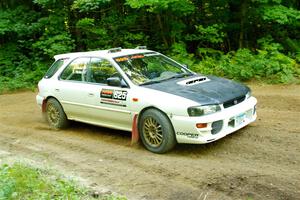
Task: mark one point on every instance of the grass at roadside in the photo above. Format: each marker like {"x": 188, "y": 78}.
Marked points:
{"x": 19, "y": 181}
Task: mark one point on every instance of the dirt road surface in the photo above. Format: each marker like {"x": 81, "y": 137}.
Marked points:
{"x": 261, "y": 161}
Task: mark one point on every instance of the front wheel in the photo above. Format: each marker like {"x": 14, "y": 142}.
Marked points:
{"x": 156, "y": 131}
{"x": 55, "y": 115}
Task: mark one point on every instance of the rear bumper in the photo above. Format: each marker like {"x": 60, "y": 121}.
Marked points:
{"x": 219, "y": 124}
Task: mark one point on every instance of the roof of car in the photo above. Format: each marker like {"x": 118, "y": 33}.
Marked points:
{"x": 102, "y": 53}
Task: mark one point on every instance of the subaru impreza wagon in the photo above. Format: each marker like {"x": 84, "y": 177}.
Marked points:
{"x": 145, "y": 92}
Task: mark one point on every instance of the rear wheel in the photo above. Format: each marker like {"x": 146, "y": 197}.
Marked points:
{"x": 55, "y": 115}
{"x": 156, "y": 131}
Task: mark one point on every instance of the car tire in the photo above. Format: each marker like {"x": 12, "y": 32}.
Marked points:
{"x": 55, "y": 115}
{"x": 156, "y": 131}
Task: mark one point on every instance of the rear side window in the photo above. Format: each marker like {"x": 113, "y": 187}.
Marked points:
{"x": 54, "y": 67}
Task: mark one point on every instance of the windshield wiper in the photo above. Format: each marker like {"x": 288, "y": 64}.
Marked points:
{"x": 183, "y": 75}
{"x": 175, "y": 76}
{"x": 149, "y": 83}
{"x": 179, "y": 75}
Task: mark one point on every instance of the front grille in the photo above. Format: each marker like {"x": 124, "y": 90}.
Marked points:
{"x": 216, "y": 127}
{"x": 234, "y": 101}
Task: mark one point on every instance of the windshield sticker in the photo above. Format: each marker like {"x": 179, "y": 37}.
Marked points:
{"x": 137, "y": 56}
{"x": 113, "y": 97}
{"x": 122, "y": 59}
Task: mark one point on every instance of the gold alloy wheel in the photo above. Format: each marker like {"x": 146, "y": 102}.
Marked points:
{"x": 153, "y": 132}
{"x": 53, "y": 114}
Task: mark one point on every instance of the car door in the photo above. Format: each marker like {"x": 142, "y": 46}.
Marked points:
{"x": 73, "y": 92}
{"x": 111, "y": 103}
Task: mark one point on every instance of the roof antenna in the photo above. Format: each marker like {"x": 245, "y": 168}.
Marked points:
{"x": 141, "y": 47}
{"x": 114, "y": 50}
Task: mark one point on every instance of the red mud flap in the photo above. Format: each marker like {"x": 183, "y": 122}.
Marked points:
{"x": 44, "y": 106}
{"x": 135, "y": 132}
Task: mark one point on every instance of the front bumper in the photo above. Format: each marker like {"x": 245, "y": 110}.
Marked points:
{"x": 219, "y": 124}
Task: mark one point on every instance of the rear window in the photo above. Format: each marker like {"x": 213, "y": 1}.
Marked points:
{"x": 54, "y": 67}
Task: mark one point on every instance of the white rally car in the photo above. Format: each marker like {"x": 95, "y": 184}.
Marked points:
{"x": 143, "y": 91}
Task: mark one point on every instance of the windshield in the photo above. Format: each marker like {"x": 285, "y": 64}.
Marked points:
{"x": 150, "y": 68}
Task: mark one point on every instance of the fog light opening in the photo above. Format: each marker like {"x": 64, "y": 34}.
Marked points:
{"x": 201, "y": 125}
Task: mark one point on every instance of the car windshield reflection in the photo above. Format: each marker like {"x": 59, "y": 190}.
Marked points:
{"x": 145, "y": 69}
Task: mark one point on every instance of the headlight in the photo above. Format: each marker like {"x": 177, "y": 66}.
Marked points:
{"x": 203, "y": 110}
{"x": 248, "y": 95}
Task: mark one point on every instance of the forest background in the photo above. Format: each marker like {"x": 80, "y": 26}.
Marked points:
{"x": 243, "y": 40}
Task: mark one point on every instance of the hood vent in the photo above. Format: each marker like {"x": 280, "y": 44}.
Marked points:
{"x": 193, "y": 81}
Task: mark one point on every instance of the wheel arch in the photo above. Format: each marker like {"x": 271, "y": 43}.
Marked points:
{"x": 45, "y": 102}
{"x": 156, "y": 108}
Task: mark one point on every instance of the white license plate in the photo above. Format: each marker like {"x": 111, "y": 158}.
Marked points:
{"x": 240, "y": 119}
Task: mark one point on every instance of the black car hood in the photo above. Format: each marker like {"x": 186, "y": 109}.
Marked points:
{"x": 215, "y": 91}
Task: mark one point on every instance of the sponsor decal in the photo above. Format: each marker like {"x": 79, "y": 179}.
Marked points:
{"x": 137, "y": 56}
{"x": 122, "y": 59}
{"x": 113, "y": 97}
{"x": 125, "y": 58}
{"x": 106, "y": 93}
{"x": 189, "y": 135}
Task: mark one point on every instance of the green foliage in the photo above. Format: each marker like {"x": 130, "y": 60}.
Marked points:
{"x": 45, "y": 3}
{"x": 88, "y": 5}
{"x": 18, "y": 22}
{"x": 179, "y": 53}
{"x": 211, "y": 34}
{"x": 266, "y": 64}
{"x": 22, "y": 182}
{"x": 281, "y": 14}
{"x": 181, "y": 6}
{"x": 257, "y": 39}
{"x": 85, "y": 23}
{"x": 56, "y": 44}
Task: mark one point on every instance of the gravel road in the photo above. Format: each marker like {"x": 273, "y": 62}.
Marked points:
{"x": 261, "y": 161}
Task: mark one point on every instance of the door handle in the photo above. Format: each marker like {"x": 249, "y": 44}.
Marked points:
{"x": 91, "y": 94}
{"x": 56, "y": 90}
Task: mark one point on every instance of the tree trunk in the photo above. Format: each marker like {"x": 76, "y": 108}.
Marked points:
{"x": 158, "y": 17}
{"x": 242, "y": 23}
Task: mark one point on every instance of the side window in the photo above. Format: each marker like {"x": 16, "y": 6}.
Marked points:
{"x": 54, "y": 67}
{"x": 99, "y": 70}
{"x": 76, "y": 70}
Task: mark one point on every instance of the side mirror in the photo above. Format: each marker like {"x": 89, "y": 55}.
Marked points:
{"x": 113, "y": 81}
{"x": 116, "y": 81}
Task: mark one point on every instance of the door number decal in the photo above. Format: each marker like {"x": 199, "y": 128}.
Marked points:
{"x": 113, "y": 97}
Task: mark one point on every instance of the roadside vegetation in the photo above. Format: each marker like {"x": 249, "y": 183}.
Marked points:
{"x": 244, "y": 40}
{"x": 19, "y": 181}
